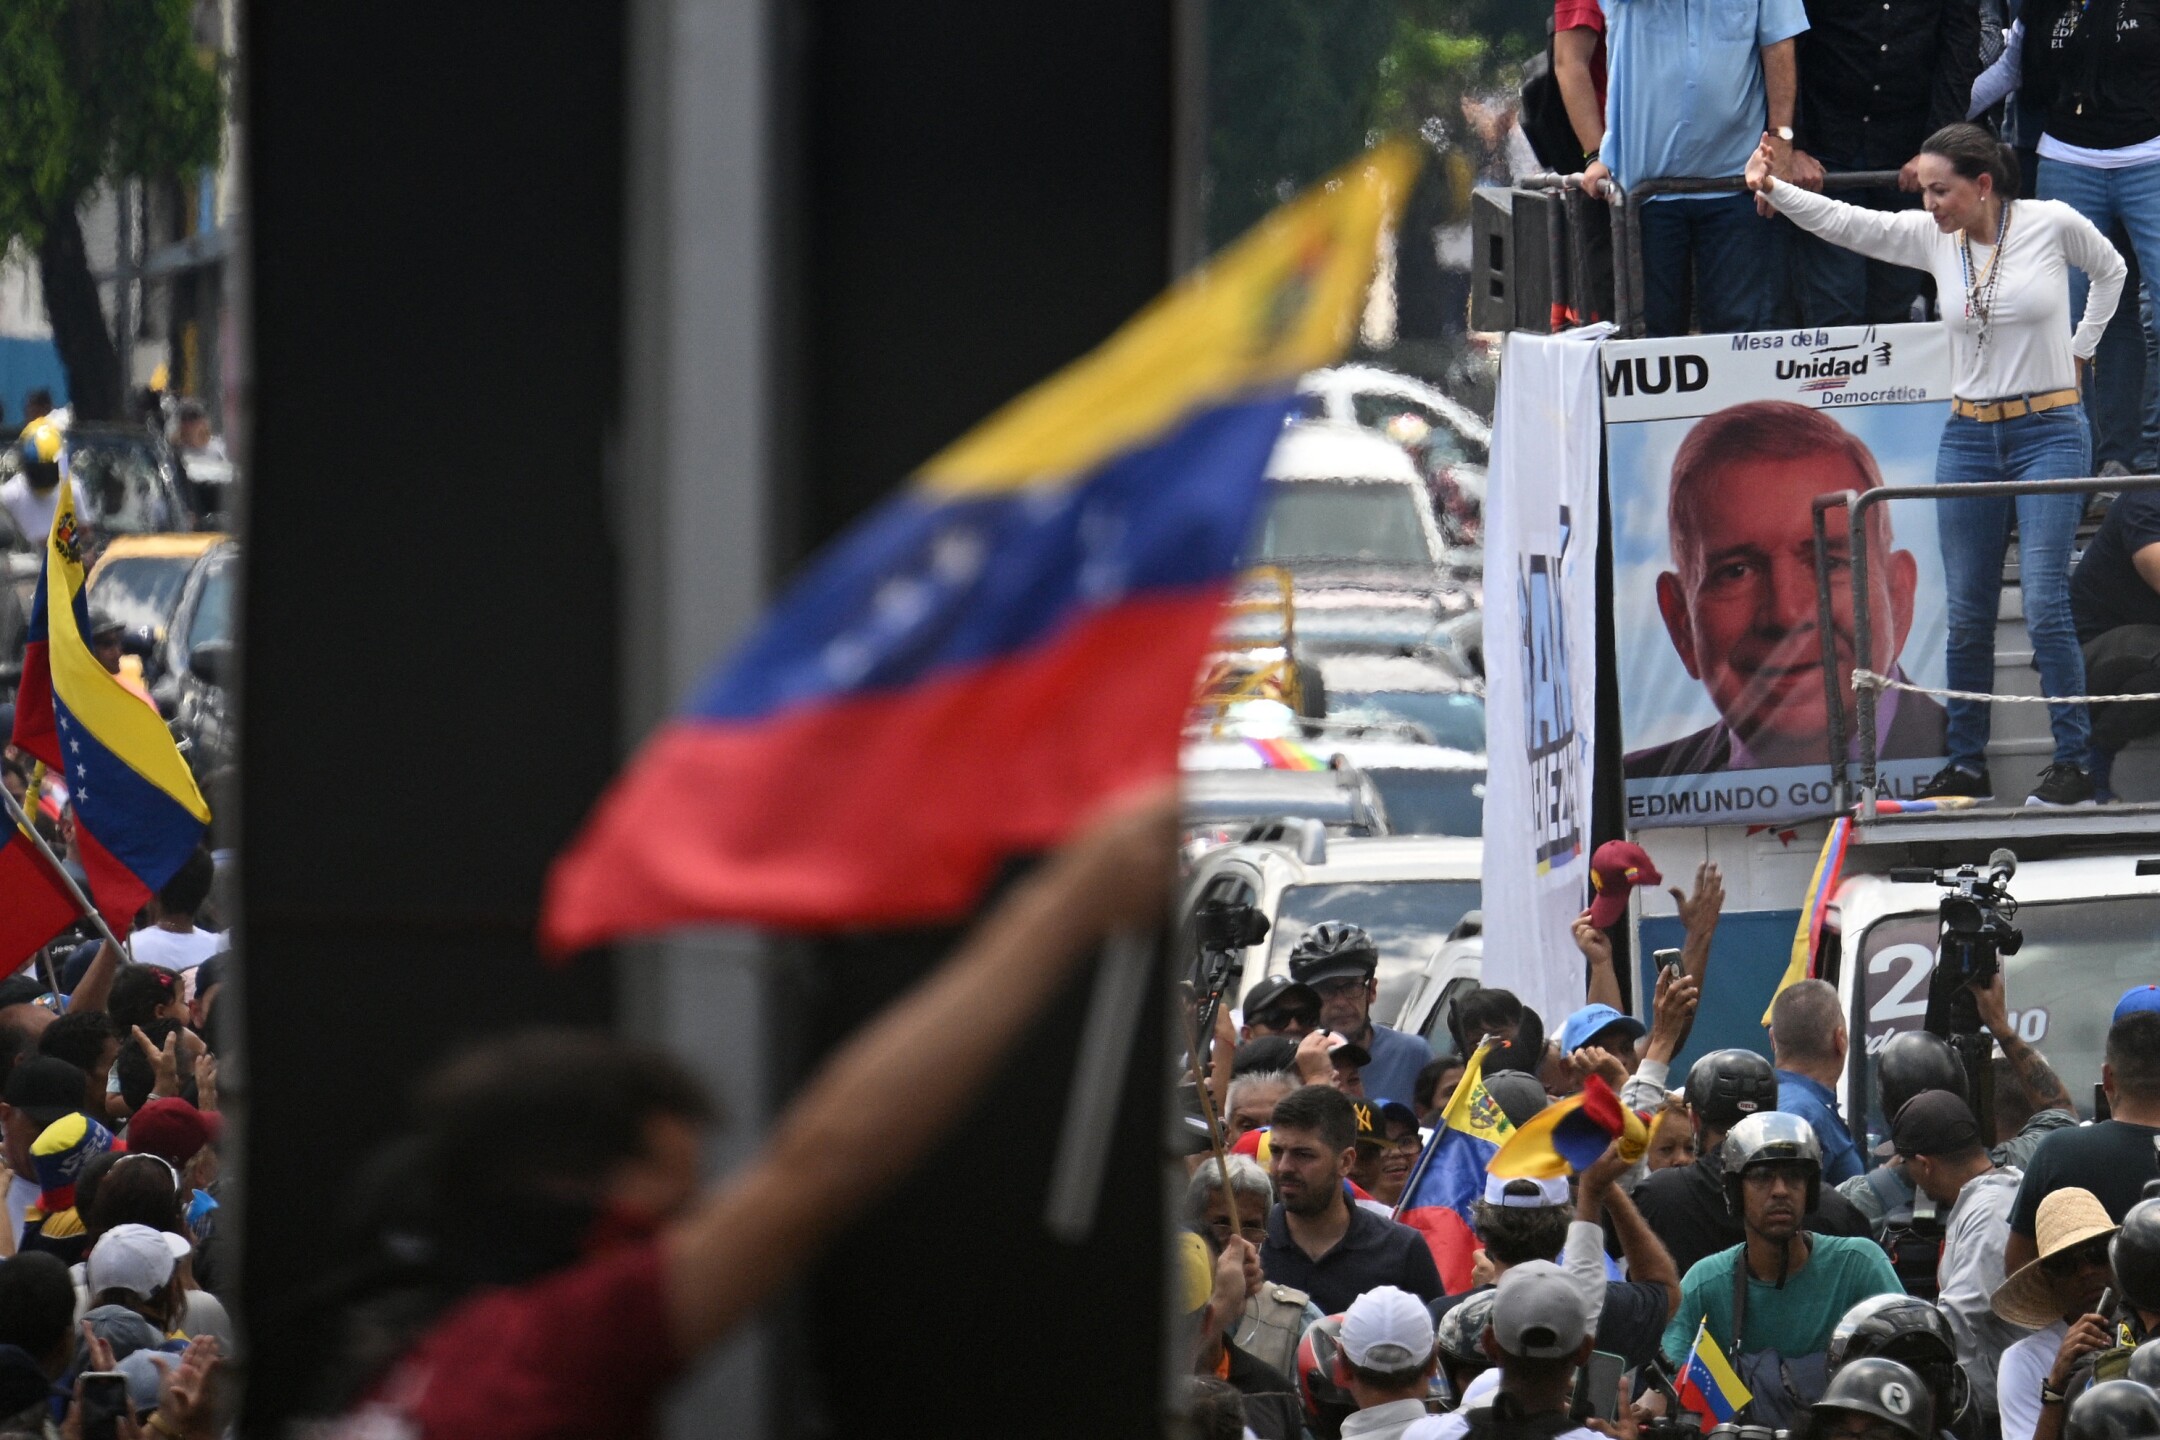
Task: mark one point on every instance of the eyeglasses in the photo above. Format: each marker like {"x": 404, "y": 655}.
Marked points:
{"x": 1335, "y": 989}
{"x": 1256, "y": 1231}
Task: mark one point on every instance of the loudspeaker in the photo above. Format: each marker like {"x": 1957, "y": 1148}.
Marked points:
{"x": 1518, "y": 241}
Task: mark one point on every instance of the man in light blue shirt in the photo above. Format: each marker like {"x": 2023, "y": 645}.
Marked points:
{"x": 1807, "y": 1043}
{"x": 1693, "y": 85}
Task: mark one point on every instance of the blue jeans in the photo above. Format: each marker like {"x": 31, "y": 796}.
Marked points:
{"x": 2129, "y": 198}
{"x": 2052, "y": 445}
{"x": 1738, "y": 261}
{"x": 1836, "y": 286}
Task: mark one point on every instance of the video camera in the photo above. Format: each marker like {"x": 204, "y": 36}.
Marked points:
{"x": 1221, "y": 934}
{"x": 1976, "y": 930}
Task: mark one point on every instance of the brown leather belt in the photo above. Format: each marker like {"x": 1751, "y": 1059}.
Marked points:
{"x": 1987, "y": 412}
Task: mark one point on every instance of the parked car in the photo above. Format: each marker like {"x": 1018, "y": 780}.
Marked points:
{"x": 196, "y": 666}
{"x": 1455, "y": 969}
{"x": 1450, "y": 443}
{"x": 1407, "y": 891}
{"x": 139, "y": 580}
{"x": 1226, "y": 788}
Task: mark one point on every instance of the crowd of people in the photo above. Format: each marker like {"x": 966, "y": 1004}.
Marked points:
{"x": 1899, "y": 1278}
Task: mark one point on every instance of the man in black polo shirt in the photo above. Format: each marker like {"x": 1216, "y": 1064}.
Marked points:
{"x": 2115, "y": 599}
{"x": 1685, "y": 1205}
{"x": 2114, "y": 1158}
{"x": 1317, "y": 1241}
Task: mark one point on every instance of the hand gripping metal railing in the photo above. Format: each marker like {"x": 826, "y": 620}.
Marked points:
{"x": 1626, "y": 214}
{"x": 1867, "y": 683}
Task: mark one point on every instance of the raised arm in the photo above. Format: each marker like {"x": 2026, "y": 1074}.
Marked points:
{"x": 2042, "y": 1088}
{"x": 887, "y": 1095}
{"x": 1902, "y": 237}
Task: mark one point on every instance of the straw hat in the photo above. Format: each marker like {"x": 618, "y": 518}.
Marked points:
{"x": 2066, "y": 1219}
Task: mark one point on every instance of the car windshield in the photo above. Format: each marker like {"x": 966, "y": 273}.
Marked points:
{"x": 118, "y": 487}
{"x": 212, "y": 620}
{"x": 1407, "y": 919}
{"x": 141, "y": 591}
{"x": 1441, "y": 442}
{"x": 1455, "y": 718}
{"x": 1374, "y": 522}
{"x": 2077, "y": 959}
{"x": 1432, "y": 802}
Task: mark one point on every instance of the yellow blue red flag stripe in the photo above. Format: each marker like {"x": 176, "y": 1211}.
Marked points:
{"x": 1571, "y": 1134}
{"x": 138, "y": 813}
{"x": 1708, "y": 1384}
{"x": 1012, "y": 637}
{"x": 1437, "y": 1199}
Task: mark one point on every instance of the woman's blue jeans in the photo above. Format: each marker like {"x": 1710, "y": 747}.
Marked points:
{"x": 2052, "y": 445}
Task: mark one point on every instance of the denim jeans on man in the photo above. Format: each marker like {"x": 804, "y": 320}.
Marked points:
{"x": 2052, "y": 445}
{"x": 2129, "y": 199}
{"x": 2125, "y": 392}
{"x": 1739, "y": 265}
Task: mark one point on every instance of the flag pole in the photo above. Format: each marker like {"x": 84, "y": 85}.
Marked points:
{"x": 82, "y": 901}
{"x": 1214, "y": 1123}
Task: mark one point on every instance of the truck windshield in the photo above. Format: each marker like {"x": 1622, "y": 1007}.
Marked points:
{"x": 1370, "y": 521}
{"x": 2077, "y": 959}
{"x": 1407, "y": 919}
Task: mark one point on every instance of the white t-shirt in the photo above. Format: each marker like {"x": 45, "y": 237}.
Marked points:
{"x": 32, "y": 512}
{"x": 174, "y": 949}
{"x": 22, "y": 1194}
{"x": 2030, "y": 344}
{"x": 2017, "y": 1379}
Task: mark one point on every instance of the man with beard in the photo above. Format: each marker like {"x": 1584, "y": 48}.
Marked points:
{"x": 1798, "y": 1285}
{"x": 1318, "y": 1241}
{"x": 1740, "y": 603}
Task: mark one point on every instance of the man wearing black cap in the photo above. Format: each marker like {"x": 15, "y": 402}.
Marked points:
{"x": 1937, "y": 1137}
{"x": 1279, "y": 1005}
{"x": 40, "y": 1090}
{"x": 1340, "y": 963}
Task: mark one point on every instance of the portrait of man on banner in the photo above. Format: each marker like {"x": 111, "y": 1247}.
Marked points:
{"x": 1739, "y": 604}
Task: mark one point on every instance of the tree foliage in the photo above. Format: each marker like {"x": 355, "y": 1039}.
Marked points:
{"x": 93, "y": 91}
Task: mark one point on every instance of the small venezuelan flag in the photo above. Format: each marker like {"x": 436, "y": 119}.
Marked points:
{"x": 138, "y": 813}
{"x": 1008, "y": 640}
{"x": 1821, "y": 886}
{"x": 1437, "y": 1199}
{"x": 1708, "y": 1385}
{"x": 1570, "y": 1135}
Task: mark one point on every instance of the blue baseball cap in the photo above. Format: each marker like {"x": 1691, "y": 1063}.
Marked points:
{"x": 2136, "y": 999}
{"x": 1576, "y": 1031}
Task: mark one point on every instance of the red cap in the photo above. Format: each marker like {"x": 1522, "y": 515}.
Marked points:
{"x": 1618, "y": 867}
{"x": 173, "y": 1130}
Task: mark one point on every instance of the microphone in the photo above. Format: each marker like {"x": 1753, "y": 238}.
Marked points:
{"x": 2002, "y": 864}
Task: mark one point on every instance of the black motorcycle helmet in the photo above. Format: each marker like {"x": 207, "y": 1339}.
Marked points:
{"x": 1915, "y": 1061}
{"x": 1914, "y": 1333}
{"x": 1884, "y": 1389}
{"x": 2145, "y": 1364}
{"x": 2135, "y": 1254}
{"x": 1727, "y": 1086}
{"x": 2115, "y": 1410}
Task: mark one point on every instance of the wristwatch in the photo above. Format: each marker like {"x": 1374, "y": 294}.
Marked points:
{"x": 2049, "y": 1395}
{"x": 1784, "y": 133}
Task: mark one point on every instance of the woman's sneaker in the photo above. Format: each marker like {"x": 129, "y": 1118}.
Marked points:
{"x": 2062, "y": 784}
{"x": 1955, "y": 781}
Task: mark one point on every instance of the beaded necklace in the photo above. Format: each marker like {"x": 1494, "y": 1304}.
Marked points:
{"x": 1980, "y": 291}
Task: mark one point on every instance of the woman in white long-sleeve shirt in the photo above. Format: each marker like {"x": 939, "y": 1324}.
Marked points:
{"x": 2002, "y": 274}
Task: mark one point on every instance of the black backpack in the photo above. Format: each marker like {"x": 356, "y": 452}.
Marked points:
{"x": 1544, "y": 114}
{"x": 1487, "y": 1424}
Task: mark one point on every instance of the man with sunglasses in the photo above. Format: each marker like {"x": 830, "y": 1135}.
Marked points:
{"x": 1279, "y": 1005}
{"x": 2059, "y": 1292}
{"x": 1340, "y": 962}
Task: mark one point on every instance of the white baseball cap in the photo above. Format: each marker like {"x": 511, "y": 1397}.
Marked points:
{"x": 1387, "y": 1329}
{"x": 1537, "y": 1312}
{"x": 1521, "y": 1192}
{"x": 134, "y": 1258}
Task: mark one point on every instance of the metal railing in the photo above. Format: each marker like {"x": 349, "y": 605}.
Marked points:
{"x": 1626, "y": 217}
{"x": 1856, "y": 505}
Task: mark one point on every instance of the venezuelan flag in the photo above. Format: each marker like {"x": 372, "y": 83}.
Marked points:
{"x": 1570, "y": 1135}
{"x": 33, "y": 905}
{"x": 1011, "y": 638}
{"x": 1450, "y": 1175}
{"x": 1821, "y": 886}
{"x": 1708, "y": 1385}
{"x": 138, "y": 815}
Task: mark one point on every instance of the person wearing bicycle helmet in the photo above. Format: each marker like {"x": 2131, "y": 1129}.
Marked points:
{"x": 1340, "y": 962}
{"x": 1872, "y": 1399}
{"x": 1914, "y": 1333}
{"x": 1772, "y": 1301}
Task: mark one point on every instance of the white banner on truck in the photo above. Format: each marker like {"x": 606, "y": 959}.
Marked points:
{"x": 1541, "y": 553}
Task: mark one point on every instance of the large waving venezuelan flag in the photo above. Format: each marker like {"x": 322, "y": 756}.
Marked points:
{"x": 1438, "y": 1198}
{"x": 1012, "y": 637}
{"x": 138, "y": 814}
